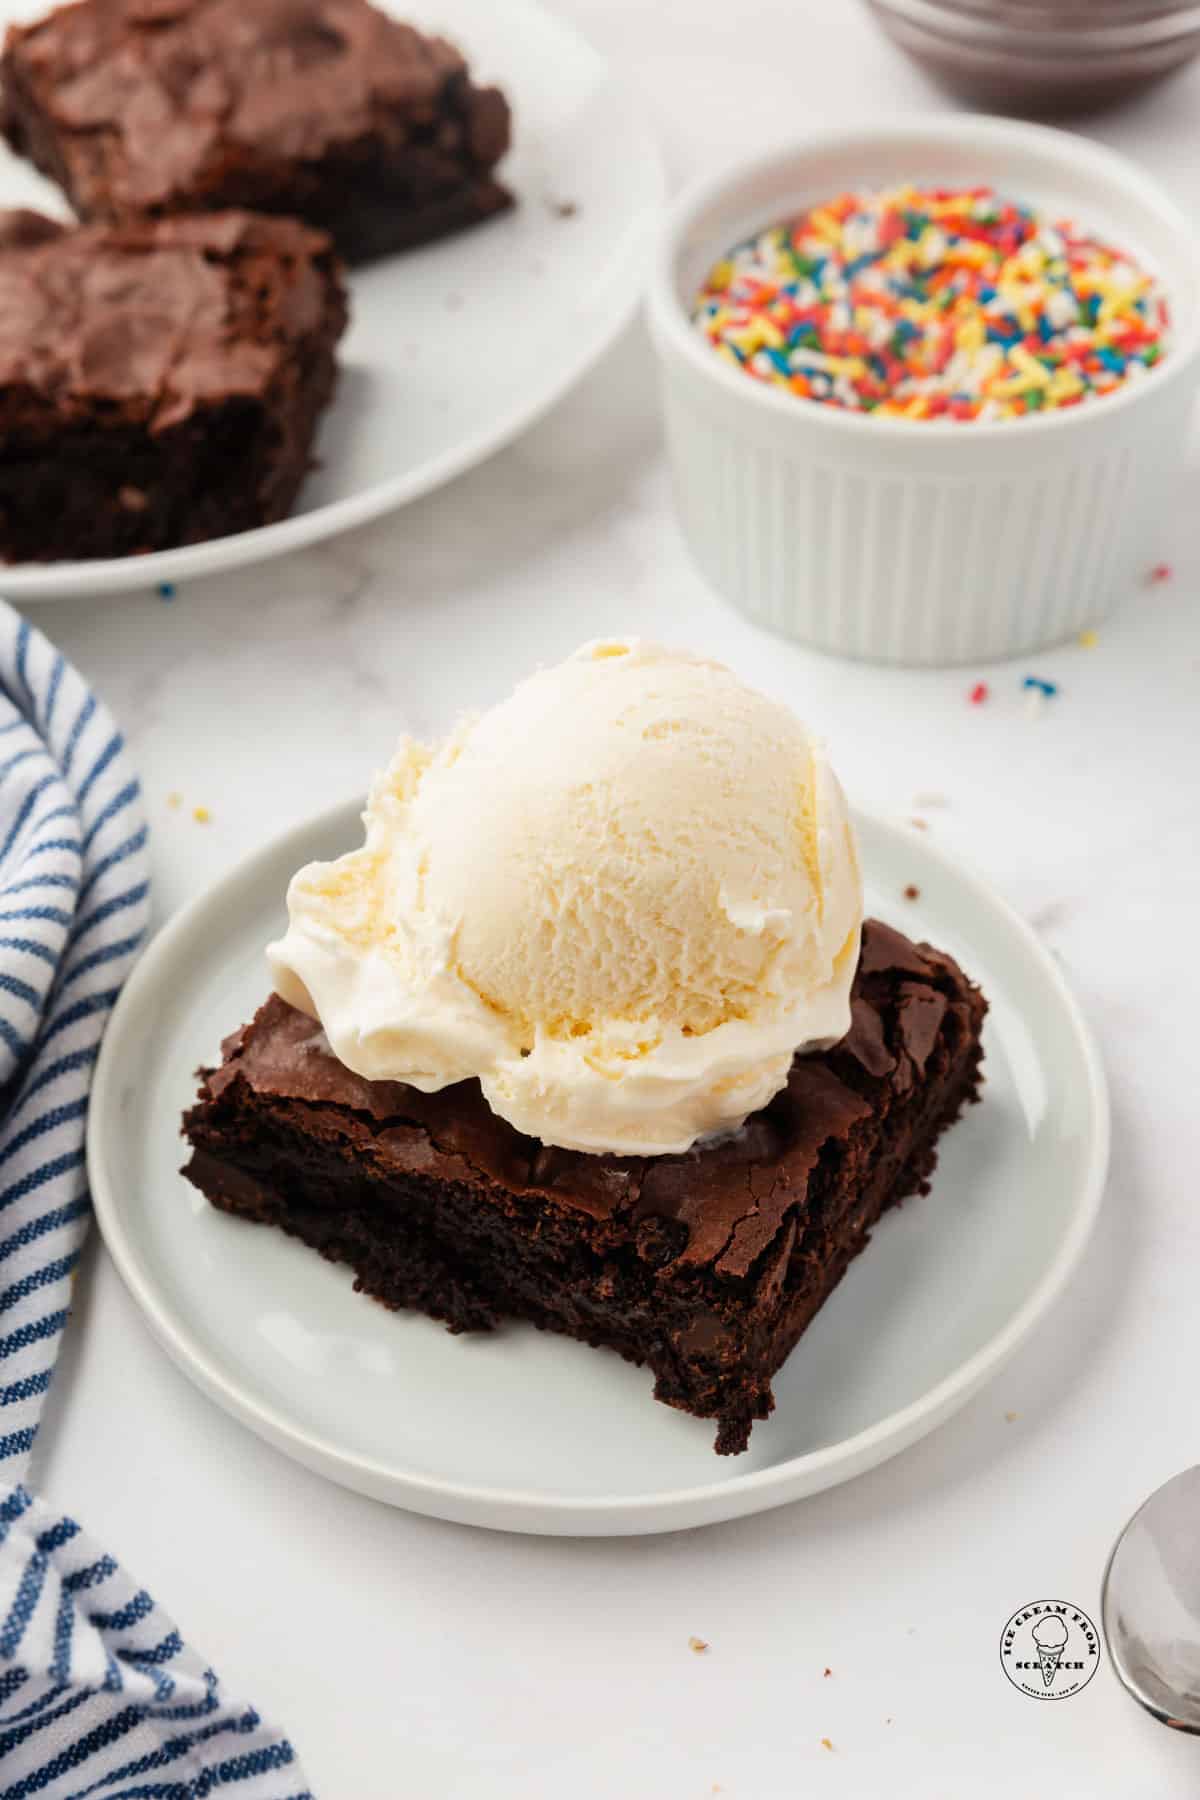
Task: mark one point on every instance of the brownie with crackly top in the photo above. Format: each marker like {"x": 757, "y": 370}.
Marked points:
{"x": 160, "y": 381}
{"x": 328, "y": 111}
{"x": 706, "y": 1266}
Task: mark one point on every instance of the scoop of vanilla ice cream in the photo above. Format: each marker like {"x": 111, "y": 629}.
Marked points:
{"x": 622, "y": 899}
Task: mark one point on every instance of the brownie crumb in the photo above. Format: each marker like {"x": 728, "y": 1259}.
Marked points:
{"x": 659, "y": 1241}
{"x": 698, "y": 1645}
{"x": 912, "y": 891}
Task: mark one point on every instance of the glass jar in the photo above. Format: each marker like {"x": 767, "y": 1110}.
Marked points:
{"x": 1044, "y": 56}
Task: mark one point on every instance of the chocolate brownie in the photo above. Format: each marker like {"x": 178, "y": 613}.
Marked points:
{"x": 706, "y": 1266}
{"x": 160, "y": 383}
{"x": 327, "y": 110}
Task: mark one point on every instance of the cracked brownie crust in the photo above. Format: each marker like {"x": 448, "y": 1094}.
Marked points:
{"x": 327, "y": 110}
{"x": 706, "y": 1266}
{"x": 160, "y": 382}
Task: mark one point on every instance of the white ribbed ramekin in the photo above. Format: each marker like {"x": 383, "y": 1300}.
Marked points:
{"x": 923, "y": 541}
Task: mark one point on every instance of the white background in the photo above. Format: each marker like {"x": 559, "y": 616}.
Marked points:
{"x": 413, "y": 1658}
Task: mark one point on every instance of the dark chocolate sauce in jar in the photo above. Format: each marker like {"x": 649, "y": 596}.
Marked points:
{"x": 1044, "y": 57}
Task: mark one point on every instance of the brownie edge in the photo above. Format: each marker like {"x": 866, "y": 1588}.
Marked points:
{"x": 707, "y": 1267}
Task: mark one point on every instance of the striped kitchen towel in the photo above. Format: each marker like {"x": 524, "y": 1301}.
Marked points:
{"x": 99, "y": 1696}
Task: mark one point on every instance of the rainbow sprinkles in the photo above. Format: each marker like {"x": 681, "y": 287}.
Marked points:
{"x": 934, "y": 303}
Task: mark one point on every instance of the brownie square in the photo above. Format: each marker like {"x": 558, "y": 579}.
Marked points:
{"x": 160, "y": 383}
{"x": 706, "y": 1266}
{"x": 326, "y": 110}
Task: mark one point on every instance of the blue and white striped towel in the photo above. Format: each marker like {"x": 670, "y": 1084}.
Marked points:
{"x": 99, "y": 1696}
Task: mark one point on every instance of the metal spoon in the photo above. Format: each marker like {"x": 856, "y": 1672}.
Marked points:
{"x": 1150, "y": 1603}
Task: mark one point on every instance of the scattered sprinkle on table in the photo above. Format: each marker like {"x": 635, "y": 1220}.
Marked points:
{"x": 1035, "y": 684}
{"x": 978, "y": 693}
{"x": 201, "y": 815}
{"x": 166, "y": 590}
{"x": 1010, "y": 1418}
{"x": 826, "y": 1744}
{"x": 912, "y": 892}
{"x": 1161, "y": 572}
{"x": 934, "y": 303}
{"x": 698, "y": 1645}
{"x": 1088, "y": 640}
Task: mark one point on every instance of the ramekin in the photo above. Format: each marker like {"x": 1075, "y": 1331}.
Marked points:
{"x": 931, "y": 541}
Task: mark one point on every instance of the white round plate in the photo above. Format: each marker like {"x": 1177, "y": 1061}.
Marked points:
{"x": 452, "y": 349}
{"x": 527, "y": 1432}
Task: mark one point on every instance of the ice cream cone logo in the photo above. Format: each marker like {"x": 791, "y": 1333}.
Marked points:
{"x": 1050, "y": 1636}
{"x": 1050, "y": 1649}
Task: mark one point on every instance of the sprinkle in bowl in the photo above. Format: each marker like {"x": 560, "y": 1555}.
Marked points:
{"x": 900, "y": 523}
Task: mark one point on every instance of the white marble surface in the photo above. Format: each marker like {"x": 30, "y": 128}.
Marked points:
{"x": 409, "y": 1657}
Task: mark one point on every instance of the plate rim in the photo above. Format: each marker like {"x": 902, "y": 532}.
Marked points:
{"x": 573, "y": 1514}
{"x": 114, "y": 576}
